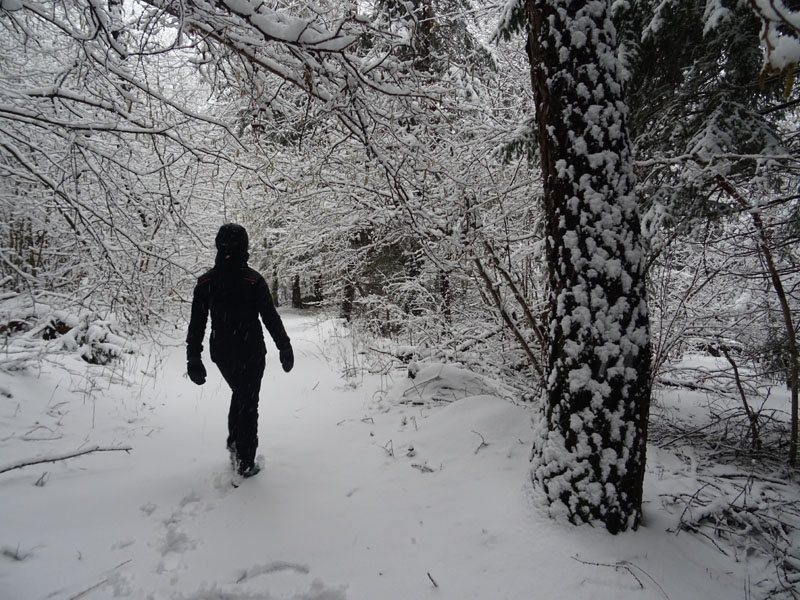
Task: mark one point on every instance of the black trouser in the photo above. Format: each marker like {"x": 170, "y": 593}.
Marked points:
{"x": 244, "y": 378}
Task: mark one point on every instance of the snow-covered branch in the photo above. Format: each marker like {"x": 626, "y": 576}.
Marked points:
{"x": 20, "y": 464}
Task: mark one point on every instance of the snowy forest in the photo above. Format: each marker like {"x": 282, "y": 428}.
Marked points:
{"x": 588, "y": 209}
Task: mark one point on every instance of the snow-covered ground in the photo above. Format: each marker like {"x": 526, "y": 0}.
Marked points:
{"x": 374, "y": 488}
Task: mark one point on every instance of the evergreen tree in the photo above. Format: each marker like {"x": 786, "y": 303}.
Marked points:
{"x": 715, "y": 131}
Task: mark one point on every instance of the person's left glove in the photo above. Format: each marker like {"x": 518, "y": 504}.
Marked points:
{"x": 196, "y": 370}
{"x": 287, "y": 358}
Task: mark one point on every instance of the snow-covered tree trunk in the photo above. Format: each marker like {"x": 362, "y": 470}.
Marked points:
{"x": 589, "y": 458}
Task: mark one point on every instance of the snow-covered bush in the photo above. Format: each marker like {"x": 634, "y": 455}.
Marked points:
{"x": 33, "y": 332}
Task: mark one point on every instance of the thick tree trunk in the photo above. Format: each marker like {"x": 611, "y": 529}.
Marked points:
{"x": 347, "y": 301}
{"x": 318, "y": 289}
{"x": 275, "y": 296}
{"x": 589, "y": 456}
{"x": 444, "y": 292}
{"x": 297, "y": 296}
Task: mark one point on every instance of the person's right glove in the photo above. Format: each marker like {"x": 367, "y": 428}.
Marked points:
{"x": 287, "y": 358}
{"x": 196, "y": 370}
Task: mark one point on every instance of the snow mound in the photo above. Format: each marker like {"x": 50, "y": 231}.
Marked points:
{"x": 437, "y": 383}
{"x": 317, "y": 591}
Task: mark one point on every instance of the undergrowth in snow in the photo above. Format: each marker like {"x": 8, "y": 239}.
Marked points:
{"x": 376, "y": 485}
{"x": 32, "y": 331}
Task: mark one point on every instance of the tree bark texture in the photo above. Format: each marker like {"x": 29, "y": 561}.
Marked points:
{"x": 589, "y": 453}
{"x": 297, "y": 295}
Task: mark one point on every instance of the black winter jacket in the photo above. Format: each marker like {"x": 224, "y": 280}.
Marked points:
{"x": 236, "y": 296}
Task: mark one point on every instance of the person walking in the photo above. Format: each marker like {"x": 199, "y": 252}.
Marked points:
{"x": 236, "y": 296}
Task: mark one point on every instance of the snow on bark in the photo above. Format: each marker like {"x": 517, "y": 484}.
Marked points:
{"x": 589, "y": 453}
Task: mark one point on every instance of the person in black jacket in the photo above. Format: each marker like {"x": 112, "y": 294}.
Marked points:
{"x": 236, "y": 296}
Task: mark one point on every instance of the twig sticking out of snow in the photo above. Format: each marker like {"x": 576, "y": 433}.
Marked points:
{"x": 483, "y": 443}
{"x": 433, "y": 581}
{"x": 15, "y": 554}
{"x": 58, "y": 457}
{"x": 389, "y": 447}
{"x": 626, "y": 566}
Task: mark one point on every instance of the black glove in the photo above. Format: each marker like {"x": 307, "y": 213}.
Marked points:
{"x": 196, "y": 370}
{"x": 287, "y": 358}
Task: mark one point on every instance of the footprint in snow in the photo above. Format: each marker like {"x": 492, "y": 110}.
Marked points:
{"x": 174, "y": 545}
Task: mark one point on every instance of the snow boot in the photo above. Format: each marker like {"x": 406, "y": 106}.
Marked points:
{"x": 249, "y": 471}
{"x": 234, "y": 458}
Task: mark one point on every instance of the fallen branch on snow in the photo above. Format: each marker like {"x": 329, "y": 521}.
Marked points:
{"x": 99, "y": 584}
{"x": 422, "y": 468}
{"x": 57, "y": 457}
{"x": 759, "y": 515}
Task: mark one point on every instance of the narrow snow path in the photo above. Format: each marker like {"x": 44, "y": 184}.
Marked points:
{"x": 361, "y": 497}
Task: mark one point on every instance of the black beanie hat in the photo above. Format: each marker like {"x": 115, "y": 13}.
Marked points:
{"x": 232, "y": 245}
{"x": 232, "y": 238}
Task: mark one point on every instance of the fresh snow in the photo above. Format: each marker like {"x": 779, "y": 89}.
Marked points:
{"x": 374, "y": 487}
{"x": 782, "y": 48}
{"x": 285, "y": 27}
